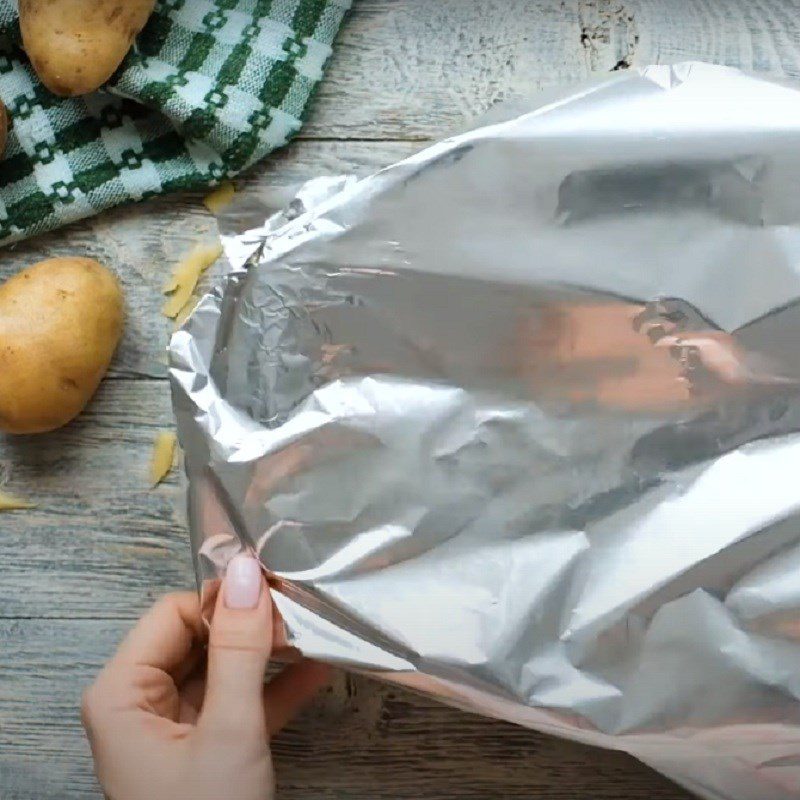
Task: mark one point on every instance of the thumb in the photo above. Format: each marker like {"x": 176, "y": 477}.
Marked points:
{"x": 239, "y": 648}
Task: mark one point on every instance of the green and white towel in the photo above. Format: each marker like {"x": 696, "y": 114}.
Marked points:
{"x": 210, "y": 87}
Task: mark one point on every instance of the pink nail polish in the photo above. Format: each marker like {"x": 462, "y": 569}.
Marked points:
{"x": 243, "y": 583}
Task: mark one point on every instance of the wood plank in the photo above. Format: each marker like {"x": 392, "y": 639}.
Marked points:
{"x": 361, "y": 741}
{"x": 100, "y": 542}
{"x": 415, "y": 69}
{"x": 757, "y": 35}
{"x": 142, "y": 242}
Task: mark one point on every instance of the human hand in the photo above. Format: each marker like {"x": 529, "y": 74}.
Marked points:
{"x": 162, "y": 728}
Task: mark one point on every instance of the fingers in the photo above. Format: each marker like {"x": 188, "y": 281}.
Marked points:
{"x": 291, "y": 690}
{"x": 240, "y": 645}
{"x": 720, "y": 355}
{"x": 164, "y": 636}
{"x": 141, "y": 675}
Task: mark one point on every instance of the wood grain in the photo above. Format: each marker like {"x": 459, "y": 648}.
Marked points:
{"x": 413, "y": 69}
{"x": 360, "y": 741}
{"x": 101, "y": 542}
{"x": 101, "y": 545}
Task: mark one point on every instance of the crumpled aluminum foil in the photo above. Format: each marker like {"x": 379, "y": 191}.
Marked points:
{"x": 514, "y": 422}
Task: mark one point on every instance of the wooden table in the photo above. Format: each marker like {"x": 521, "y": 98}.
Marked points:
{"x": 101, "y": 545}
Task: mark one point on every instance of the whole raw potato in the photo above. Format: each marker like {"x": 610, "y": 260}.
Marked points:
{"x": 60, "y": 322}
{"x": 75, "y": 45}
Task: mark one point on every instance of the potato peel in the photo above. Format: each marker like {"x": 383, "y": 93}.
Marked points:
{"x": 221, "y": 197}
{"x": 184, "y": 313}
{"x": 184, "y": 279}
{"x": 163, "y": 457}
{"x": 8, "y": 502}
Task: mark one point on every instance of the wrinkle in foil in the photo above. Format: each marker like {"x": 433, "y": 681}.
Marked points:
{"x": 515, "y": 422}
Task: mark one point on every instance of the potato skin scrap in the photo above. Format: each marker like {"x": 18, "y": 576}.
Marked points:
{"x": 9, "y": 502}
{"x": 220, "y": 198}
{"x": 75, "y": 46}
{"x": 163, "y": 457}
{"x": 181, "y": 285}
{"x": 185, "y": 312}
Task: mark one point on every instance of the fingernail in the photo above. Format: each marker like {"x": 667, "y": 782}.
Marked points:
{"x": 243, "y": 583}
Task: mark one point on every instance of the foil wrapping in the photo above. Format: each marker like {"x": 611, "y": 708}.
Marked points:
{"x": 514, "y": 422}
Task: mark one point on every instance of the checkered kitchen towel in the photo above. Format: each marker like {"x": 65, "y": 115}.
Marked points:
{"x": 210, "y": 88}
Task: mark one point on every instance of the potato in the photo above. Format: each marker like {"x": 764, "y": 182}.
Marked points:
{"x": 76, "y": 45}
{"x": 60, "y": 322}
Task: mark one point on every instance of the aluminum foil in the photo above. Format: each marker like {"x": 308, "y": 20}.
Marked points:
{"x": 514, "y": 422}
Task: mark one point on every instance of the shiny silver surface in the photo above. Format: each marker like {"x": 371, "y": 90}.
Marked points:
{"x": 515, "y": 422}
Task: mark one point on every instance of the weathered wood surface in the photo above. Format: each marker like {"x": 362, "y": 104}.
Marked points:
{"x": 415, "y": 69}
{"x": 101, "y": 545}
{"x": 360, "y": 742}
